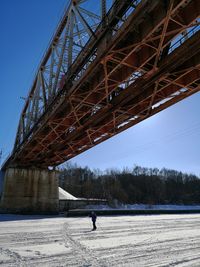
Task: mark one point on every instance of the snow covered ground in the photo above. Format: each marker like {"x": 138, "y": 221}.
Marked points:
{"x": 156, "y": 240}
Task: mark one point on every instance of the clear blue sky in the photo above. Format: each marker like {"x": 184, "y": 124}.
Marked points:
{"x": 169, "y": 139}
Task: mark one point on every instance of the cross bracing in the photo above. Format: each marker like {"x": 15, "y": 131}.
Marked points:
{"x": 106, "y": 71}
{"x": 77, "y": 26}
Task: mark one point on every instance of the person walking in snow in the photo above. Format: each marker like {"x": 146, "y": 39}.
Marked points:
{"x": 93, "y": 217}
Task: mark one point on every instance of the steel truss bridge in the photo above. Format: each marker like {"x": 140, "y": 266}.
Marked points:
{"x": 110, "y": 65}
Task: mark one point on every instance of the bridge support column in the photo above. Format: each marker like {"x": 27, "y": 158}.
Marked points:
{"x": 30, "y": 191}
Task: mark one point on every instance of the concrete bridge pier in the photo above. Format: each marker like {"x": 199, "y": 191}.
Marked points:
{"x": 30, "y": 191}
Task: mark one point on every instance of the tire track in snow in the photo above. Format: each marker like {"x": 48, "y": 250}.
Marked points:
{"x": 14, "y": 257}
{"x": 85, "y": 256}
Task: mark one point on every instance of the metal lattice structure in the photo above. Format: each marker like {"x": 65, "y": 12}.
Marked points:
{"x": 108, "y": 67}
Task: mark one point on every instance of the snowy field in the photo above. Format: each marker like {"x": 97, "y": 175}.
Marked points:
{"x": 157, "y": 240}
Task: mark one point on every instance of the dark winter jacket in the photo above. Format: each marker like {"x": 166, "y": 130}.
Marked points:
{"x": 93, "y": 216}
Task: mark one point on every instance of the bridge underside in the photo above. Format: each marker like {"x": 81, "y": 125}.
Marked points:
{"x": 151, "y": 62}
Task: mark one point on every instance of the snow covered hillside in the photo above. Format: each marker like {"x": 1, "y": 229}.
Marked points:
{"x": 159, "y": 240}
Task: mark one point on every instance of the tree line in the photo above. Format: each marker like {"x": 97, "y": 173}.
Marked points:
{"x": 129, "y": 186}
